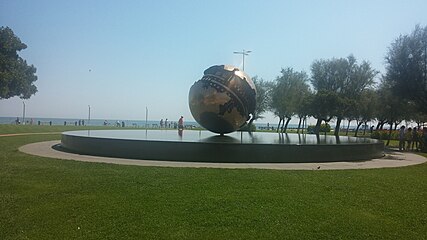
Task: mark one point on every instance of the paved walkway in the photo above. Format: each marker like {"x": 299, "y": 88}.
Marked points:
{"x": 23, "y": 134}
{"x": 392, "y": 159}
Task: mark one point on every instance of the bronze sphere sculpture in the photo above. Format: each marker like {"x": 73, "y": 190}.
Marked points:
{"x": 223, "y": 100}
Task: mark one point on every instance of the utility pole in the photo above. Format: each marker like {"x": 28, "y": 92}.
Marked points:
{"x": 23, "y": 114}
{"x": 146, "y": 117}
{"x": 88, "y": 119}
{"x": 244, "y": 53}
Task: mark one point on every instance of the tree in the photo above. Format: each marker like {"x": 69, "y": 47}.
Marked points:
{"x": 16, "y": 76}
{"x": 365, "y": 108}
{"x": 327, "y": 77}
{"x": 262, "y": 98}
{"x": 419, "y": 118}
{"x": 346, "y": 79}
{"x": 406, "y": 67}
{"x": 393, "y": 108}
{"x": 323, "y": 107}
{"x": 380, "y": 113}
{"x": 359, "y": 86}
{"x": 303, "y": 105}
{"x": 287, "y": 95}
{"x": 351, "y": 113}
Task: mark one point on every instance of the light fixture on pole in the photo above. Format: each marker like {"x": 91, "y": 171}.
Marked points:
{"x": 88, "y": 119}
{"x": 23, "y": 113}
{"x": 146, "y": 117}
{"x": 244, "y": 53}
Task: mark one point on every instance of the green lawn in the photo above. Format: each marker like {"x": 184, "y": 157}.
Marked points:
{"x": 42, "y": 198}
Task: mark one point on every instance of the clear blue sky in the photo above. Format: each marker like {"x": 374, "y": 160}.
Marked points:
{"x": 121, "y": 56}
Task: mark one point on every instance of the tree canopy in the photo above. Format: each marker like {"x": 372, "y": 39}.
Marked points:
{"x": 338, "y": 82}
{"x": 16, "y": 76}
{"x": 262, "y": 97}
{"x": 289, "y": 91}
{"x": 406, "y": 66}
{"x": 343, "y": 88}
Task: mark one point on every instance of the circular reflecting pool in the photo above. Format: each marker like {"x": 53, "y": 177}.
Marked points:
{"x": 204, "y": 146}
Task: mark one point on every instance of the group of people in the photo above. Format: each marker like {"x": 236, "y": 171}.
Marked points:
{"x": 412, "y": 139}
{"x": 17, "y": 121}
{"x": 166, "y": 124}
{"x": 30, "y": 122}
{"x": 75, "y": 123}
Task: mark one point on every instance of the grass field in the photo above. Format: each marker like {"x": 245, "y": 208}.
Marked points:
{"x": 42, "y": 198}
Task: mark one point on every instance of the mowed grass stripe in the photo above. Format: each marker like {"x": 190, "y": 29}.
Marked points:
{"x": 45, "y": 198}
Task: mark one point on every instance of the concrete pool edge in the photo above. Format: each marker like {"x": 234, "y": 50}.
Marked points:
{"x": 225, "y": 152}
{"x": 391, "y": 160}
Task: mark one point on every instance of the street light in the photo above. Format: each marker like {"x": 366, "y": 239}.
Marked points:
{"x": 146, "y": 117}
{"x": 23, "y": 114}
{"x": 88, "y": 119}
{"x": 244, "y": 53}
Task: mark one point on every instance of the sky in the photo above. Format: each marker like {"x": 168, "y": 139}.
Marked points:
{"x": 121, "y": 57}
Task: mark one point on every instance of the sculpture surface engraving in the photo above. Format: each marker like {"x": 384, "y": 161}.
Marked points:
{"x": 223, "y": 100}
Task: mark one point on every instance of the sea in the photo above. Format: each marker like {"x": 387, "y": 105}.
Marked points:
{"x": 111, "y": 122}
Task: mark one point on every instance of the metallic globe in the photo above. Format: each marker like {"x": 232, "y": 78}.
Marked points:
{"x": 223, "y": 100}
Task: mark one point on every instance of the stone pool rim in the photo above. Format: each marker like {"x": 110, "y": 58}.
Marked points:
{"x": 221, "y": 152}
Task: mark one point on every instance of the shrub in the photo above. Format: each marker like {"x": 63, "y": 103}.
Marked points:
{"x": 248, "y": 127}
{"x": 323, "y": 128}
{"x": 383, "y": 135}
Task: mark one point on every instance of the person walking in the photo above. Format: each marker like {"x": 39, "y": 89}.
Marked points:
{"x": 415, "y": 139}
{"x": 402, "y": 138}
{"x": 408, "y": 137}
{"x": 181, "y": 123}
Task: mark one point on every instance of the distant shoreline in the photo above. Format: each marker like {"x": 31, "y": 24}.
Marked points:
{"x": 113, "y": 122}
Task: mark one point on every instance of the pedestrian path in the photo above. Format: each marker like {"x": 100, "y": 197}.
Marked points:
{"x": 24, "y": 134}
{"x": 391, "y": 159}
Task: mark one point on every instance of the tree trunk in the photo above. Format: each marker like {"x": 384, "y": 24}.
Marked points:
{"x": 337, "y": 127}
{"x": 317, "y": 138}
{"x": 304, "y": 124}
{"x": 364, "y": 128}
{"x": 286, "y": 125}
{"x": 283, "y": 124}
{"x": 299, "y": 124}
{"x": 357, "y": 128}
{"x": 317, "y": 128}
{"x": 337, "y": 139}
{"x": 278, "y": 125}
{"x": 348, "y": 126}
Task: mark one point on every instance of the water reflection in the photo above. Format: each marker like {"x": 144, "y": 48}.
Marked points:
{"x": 337, "y": 140}
{"x": 236, "y": 137}
{"x": 284, "y": 138}
{"x": 220, "y": 139}
{"x": 301, "y": 138}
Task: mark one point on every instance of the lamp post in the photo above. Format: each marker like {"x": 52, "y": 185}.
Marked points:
{"x": 88, "y": 119}
{"x": 244, "y": 53}
{"x": 23, "y": 114}
{"x": 146, "y": 117}
{"x": 425, "y": 62}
